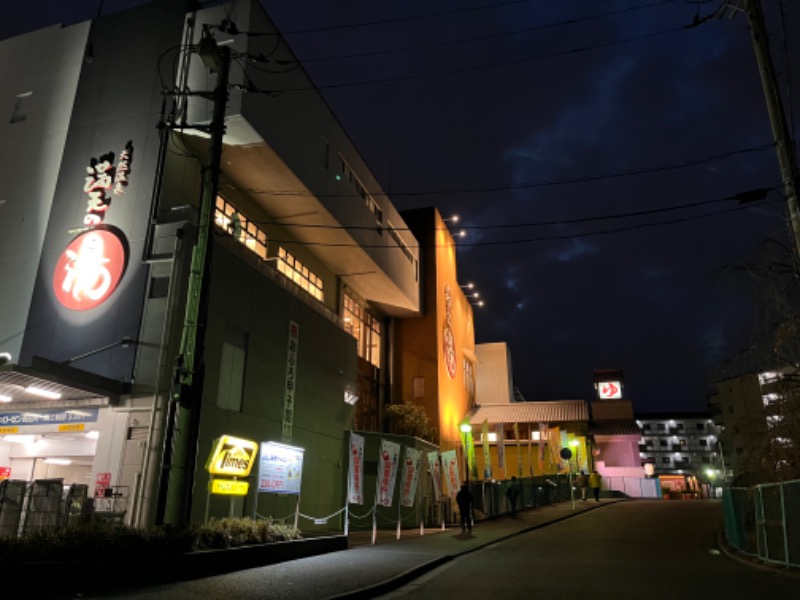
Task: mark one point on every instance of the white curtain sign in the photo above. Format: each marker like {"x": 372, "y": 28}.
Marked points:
{"x": 450, "y": 468}
{"x": 436, "y": 474}
{"x": 355, "y": 483}
{"x": 387, "y": 471}
{"x": 410, "y": 476}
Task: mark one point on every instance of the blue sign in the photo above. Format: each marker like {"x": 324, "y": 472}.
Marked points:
{"x": 49, "y": 417}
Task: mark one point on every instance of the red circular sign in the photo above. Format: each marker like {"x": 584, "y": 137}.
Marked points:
{"x": 90, "y": 268}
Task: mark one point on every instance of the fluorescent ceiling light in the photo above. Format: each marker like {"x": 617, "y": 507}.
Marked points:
{"x": 42, "y": 392}
{"x": 58, "y": 461}
{"x": 4, "y": 398}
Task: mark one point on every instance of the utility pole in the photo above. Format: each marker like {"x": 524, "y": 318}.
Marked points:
{"x": 184, "y": 404}
{"x": 777, "y": 116}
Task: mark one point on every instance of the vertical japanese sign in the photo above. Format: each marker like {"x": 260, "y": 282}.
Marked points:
{"x": 499, "y": 429}
{"x": 92, "y": 265}
{"x": 291, "y": 381}
{"x": 355, "y": 477}
{"x": 280, "y": 468}
{"x": 387, "y": 471}
{"x": 519, "y": 450}
{"x": 436, "y": 474}
{"x": 487, "y": 451}
{"x": 450, "y": 468}
{"x": 448, "y": 341}
{"x": 409, "y": 477}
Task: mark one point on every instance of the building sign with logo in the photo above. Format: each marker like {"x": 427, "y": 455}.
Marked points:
{"x": 92, "y": 265}
{"x": 232, "y": 456}
{"x": 609, "y": 390}
{"x": 448, "y": 341}
{"x": 280, "y": 468}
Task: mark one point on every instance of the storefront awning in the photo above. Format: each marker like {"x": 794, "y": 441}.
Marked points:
{"x": 47, "y": 381}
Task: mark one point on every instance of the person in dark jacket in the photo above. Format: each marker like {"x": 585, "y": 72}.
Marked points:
{"x": 465, "y": 502}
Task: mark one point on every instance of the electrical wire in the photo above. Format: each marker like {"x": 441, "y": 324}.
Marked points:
{"x": 531, "y": 185}
{"x": 553, "y": 25}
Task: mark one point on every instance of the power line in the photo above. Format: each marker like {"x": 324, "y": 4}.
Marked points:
{"x": 403, "y": 19}
{"x": 506, "y": 63}
{"x": 553, "y": 25}
{"x": 747, "y": 197}
{"x": 565, "y": 236}
{"x": 532, "y": 185}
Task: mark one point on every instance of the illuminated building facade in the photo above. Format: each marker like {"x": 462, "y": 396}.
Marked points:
{"x": 168, "y": 299}
{"x": 434, "y": 362}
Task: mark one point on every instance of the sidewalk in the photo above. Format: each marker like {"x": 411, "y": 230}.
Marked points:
{"x": 414, "y": 554}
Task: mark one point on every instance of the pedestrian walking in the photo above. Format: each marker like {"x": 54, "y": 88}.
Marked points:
{"x": 465, "y": 503}
{"x": 511, "y": 493}
{"x": 594, "y": 483}
{"x": 582, "y": 482}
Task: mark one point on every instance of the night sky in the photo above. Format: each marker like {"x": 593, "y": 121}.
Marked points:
{"x": 593, "y": 152}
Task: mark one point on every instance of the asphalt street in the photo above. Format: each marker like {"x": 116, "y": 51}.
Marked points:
{"x": 367, "y": 569}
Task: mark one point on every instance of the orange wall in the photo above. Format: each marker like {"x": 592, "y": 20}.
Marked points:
{"x": 419, "y": 342}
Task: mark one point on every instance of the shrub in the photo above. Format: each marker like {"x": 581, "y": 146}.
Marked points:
{"x": 98, "y": 540}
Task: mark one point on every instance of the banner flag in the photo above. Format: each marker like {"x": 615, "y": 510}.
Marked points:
{"x": 355, "y": 476}
{"x": 487, "y": 451}
{"x": 542, "y": 440}
{"x": 519, "y": 452}
{"x": 387, "y": 471}
{"x": 450, "y": 468}
{"x": 410, "y": 476}
{"x": 468, "y": 444}
{"x": 436, "y": 474}
{"x": 501, "y": 447}
{"x": 554, "y": 444}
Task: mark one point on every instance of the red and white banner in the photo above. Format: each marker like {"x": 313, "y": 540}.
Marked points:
{"x": 355, "y": 475}
{"x": 450, "y": 468}
{"x": 436, "y": 474}
{"x": 387, "y": 471}
{"x": 409, "y": 477}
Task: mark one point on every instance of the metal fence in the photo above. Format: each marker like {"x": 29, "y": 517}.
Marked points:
{"x": 764, "y": 521}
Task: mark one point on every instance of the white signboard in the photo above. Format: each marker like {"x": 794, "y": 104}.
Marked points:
{"x": 280, "y": 468}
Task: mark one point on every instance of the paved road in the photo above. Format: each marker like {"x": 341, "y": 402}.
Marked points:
{"x": 647, "y": 548}
{"x": 632, "y": 550}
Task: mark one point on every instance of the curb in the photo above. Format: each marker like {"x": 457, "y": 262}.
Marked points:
{"x": 390, "y": 585}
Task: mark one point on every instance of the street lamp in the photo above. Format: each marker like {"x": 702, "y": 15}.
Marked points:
{"x": 574, "y": 443}
{"x": 465, "y": 429}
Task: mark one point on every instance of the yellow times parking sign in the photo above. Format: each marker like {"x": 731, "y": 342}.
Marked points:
{"x": 232, "y": 456}
{"x": 228, "y": 487}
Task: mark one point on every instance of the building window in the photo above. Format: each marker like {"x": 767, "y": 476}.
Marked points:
{"x": 706, "y": 459}
{"x": 682, "y": 442}
{"x": 469, "y": 380}
{"x": 401, "y": 244}
{"x": 231, "y": 369}
{"x": 663, "y": 443}
{"x": 665, "y": 460}
{"x": 230, "y": 219}
{"x": 703, "y": 442}
{"x": 296, "y": 271}
{"x": 419, "y": 387}
{"x": 361, "y": 190}
{"x": 362, "y": 324}
{"x": 701, "y": 427}
{"x": 661, "y": 427}
{"x": 647, "y": 427}
{"x": 21, "y": 106}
